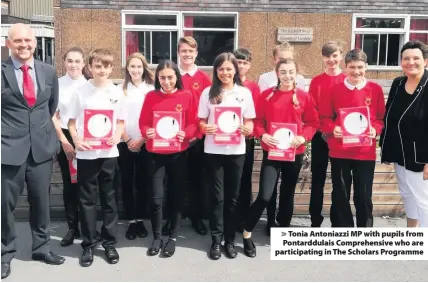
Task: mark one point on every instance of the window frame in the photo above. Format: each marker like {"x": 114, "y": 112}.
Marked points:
{"x": 405, "y": 31}
{"x": 179, "y": 27}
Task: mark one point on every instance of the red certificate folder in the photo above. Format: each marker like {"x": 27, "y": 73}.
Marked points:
{"x": 284, "y": 133}
{"x": 355, "y": 123}
{"x": 166, "y": 124}
{"x": 72, "y": 165}
{"x": 228, "y": 120}
{"x": 98, "y": 128}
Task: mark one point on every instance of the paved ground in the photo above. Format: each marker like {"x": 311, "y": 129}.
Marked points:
{"x": 191, "y": 262}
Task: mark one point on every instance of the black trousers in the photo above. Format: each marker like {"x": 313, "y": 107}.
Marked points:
{"x": 160, "y": 166}
{"x": 224, "y": 181}
{"x": 343, "y": 172}
{"x": 94, "y": 175}
{"x": 134, "y": 180}
{"x": 37, "y": 176}
{"x": 268, "y": 175}
{"x": 319, "y": 164}
{"x": 245, "y": 192}
{"x": 70, "y": 190}
{"x": 196, "y": 176}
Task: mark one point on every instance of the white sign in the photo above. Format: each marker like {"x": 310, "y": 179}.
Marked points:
{"x": 295, "y": 34}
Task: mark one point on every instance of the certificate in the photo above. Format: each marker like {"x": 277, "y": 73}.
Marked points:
{"x": 228, "y": 120}
{"x": 72, "y": 165}
{"x": 355, "y": 123}
{"x": 167, "y": 124}
{"x": 284, "y": 133}
{"x": 98, "y": 128}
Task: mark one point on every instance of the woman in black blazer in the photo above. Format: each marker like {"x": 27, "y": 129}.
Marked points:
{"x": 404, "y": 140}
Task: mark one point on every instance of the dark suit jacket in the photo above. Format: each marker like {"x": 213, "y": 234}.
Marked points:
{"x": 24, "y": 128}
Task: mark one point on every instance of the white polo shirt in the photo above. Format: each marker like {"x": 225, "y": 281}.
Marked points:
{"x": 132, "y": 105}
{"x": 67, "y": 86}
{"x": 270, "y": 79}
{"x": 90, "y": 97}
{"x": 238, "y": 96}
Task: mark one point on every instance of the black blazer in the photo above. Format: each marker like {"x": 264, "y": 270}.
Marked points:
{"x": 415, "y": 148}
{"x": 23, "y": 127}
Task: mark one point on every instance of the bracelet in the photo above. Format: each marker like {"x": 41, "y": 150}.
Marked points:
{"x": 128, "y": 140}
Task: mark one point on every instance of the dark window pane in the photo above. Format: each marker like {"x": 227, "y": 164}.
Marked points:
{"x": 211, "y": 44}
{"x": 393, "y": 49}
{"x": 419, "y": 36}
{"x": 382, "y": 49}
{"x": 419, "y": 24}
{"x": 48, "y": 51}
{"x": 161, "y": 46}
{"x": 174, "y": 41}
{"x": 151, "y": 20}
{"x": 370, "y": 47}
{"x": 208, "y": 21}
{"x": 380, "y": 23}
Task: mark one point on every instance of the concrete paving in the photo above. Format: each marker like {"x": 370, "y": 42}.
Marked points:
{"x": 191, "y": 262}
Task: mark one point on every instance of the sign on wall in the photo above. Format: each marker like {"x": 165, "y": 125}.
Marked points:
{"x": 294, "y": 34}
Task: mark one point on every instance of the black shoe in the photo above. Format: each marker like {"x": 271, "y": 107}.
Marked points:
{"x": 199, "y": 227}
{"x": 230, "y": 250}
{"x": 69, "y": 237}
{"x": 5, "y": 269}
{"x": 215, "y": 251}
{"x": 249, "y": 247}
{"x": 155, "y": 248}
{"x": 87, "y": 257}
{"x": 141, "y": 230}
{"x": 131, "y": 233}
{"x": 169, "y": 248}
{"x": 112, "y": 255}
{"x": 317, "y": 223}
{"x": 49, "y": 258}
{"x": 166, "y": 228}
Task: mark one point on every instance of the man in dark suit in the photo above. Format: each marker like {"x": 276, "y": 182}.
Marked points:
{"x": 29, "y": 97}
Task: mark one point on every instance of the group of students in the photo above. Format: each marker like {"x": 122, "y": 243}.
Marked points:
{"x": 226, "y": 170}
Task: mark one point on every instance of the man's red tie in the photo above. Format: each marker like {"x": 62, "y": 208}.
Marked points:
{"x": 28, "y": 86}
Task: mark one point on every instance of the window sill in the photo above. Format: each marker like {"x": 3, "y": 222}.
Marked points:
{"x": 384, "y": 68}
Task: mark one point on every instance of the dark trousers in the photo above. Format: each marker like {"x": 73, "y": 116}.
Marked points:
{"x": 38, "y": 178}
{"x": 160, "y": 166}
{"x": 224, "y": 181}
{"x": 268, "y": 175}
{"x": 94, "y": 175}
{"x": 197, "y": 183}
{"x": 319, "y": 163}
{"x": 134, "y": 180}
{"x": 343, "y": 172}
{"x": 70, "y": 190}
{"x": 245, "y": 192}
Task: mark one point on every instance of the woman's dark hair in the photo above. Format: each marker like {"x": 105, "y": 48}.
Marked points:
{"x": 215, "y": 96}
{"x": 87, "y": 73}
{"x": 168, "y": 64}
{"x": 416, "y": 44}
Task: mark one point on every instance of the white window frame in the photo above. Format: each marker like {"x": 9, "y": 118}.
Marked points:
{"x": 179, "y": 27}
{"x": 405, "y": 31}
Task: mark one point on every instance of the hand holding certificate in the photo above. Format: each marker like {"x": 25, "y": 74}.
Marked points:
{"x": 285, "y": 134}
{"x": 168, "y": 131}
{"x": 228, "y": 120}
{"x": 98, "y": 128}
{"x": 355, "y": 126}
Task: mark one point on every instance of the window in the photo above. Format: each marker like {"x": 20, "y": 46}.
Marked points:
{"x": 44, "y": 50}
{"x": 382, "y": 36}
{"x": 156, "y": 34}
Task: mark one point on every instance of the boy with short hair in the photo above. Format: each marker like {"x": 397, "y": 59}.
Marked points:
{"x": 332, "y": 54}
{"x": 96, "y": 167}
{"x": 243, "y": 56}
{"x": 195, "y": 81}
{"x": 352, "y": 164}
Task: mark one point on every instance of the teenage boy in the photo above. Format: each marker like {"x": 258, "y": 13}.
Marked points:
{"x": 352, "y": 164}
{"x": 96, "y": 167}
{"x": 195, "y": 81}
{"x": 243, "y": 56}
{"x": 332, "y": 55}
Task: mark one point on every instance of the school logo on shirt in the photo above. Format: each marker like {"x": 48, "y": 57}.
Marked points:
{"x": 368, "y": 101}
{"x": 113, "y": 101}
{"x": 178, "y": 108}
{"x": 239, "y": 99}
{"x": 195, "y": 85}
